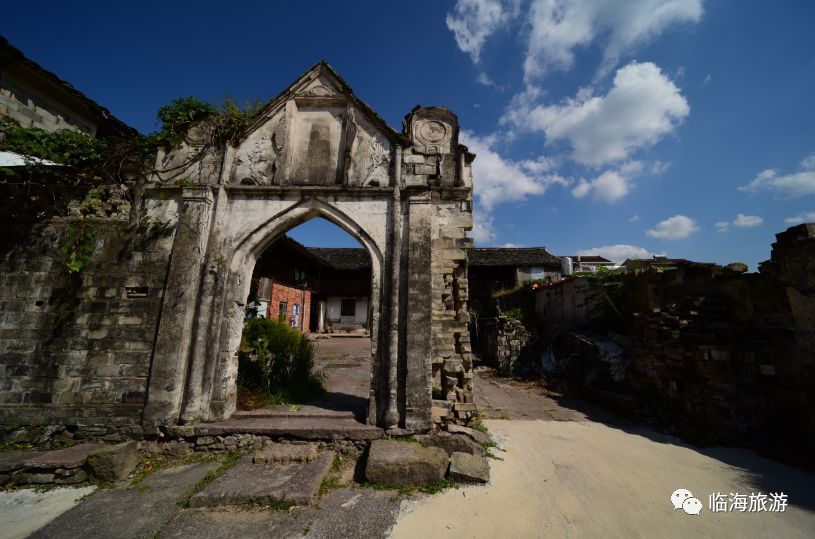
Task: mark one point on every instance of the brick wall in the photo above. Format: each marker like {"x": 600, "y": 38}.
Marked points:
{"x": 291, "y": 296}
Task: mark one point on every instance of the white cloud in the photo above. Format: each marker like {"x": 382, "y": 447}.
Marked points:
{"x": 808, "y": 163}
{"x": 674, "y": 228}
{"x": 511, "y": 245}
{"x": 747, "y": 221}
{"x": 617, "y": 253}
{"x": 808, "y": 217}
{"x": 741, "y": 221}
{"x": 634, "y": 218}
{"x": 642, "y": 106}
{"x": 483, "y": 226}
{"x": 497, "y": 179}
{"x": 795, "y": 185}
{"x": 473, "y": 21}
{"x": 610, "y": 186}
{"x": 484, "y": 80}
{"x": 558, "y": 27}
{"x": 707, "y": 80}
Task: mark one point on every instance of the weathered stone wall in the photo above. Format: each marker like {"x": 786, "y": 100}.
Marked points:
{"x": 75, "y": 348}
{"x": 33, "y": 109}
{"x": 504, "y": 342}
{"x": 149, "y": 331}
{"x": 738, "y": 362}
{"x": 714, "y": 353}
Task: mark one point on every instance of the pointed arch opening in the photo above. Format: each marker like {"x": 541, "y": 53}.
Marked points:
{"x": 330, "y": 294}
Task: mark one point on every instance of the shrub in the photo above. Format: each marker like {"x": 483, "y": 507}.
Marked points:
{"x": 277, "y": 362}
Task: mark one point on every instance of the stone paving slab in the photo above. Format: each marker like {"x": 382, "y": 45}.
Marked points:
{"x": 70, "y": 457}
{"x": 287, "y": 411}
{"x": 305, "y": 428}
{"x": 352, "y": 513}
{"x": 247, "y": 482}
{"x": 138, "y": 511}
{"x": 14, "y": 460}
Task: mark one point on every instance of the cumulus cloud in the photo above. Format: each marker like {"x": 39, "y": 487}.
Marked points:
{"x": 674, "y": 228}
{"x": 642, "y": 106}
{"x": 559, "y": 27}
{"x": 795, "y": 185}
{"x": 722, "y": 226}
{"x": 747, "y": 221}
{"x": 808, "y": 217}
{"x": 483, "y": 226}
{"x": 609, "y": 186}
{"x": 617, "y": 253}
{"x": 634, "y": 218}
{"x": 473, "y": 21}
{"x": 497, "y": 179}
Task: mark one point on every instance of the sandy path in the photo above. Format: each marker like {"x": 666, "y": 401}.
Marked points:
{"x": 586, "y": 479}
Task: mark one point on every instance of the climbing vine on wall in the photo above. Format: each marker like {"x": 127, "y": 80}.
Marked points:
{"x": 71, "y": 173}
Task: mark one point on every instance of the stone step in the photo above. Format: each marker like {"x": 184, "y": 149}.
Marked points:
{"x": 300, "y": 411}
{"x": 249, "y": 482}
{"x": 305, "y": 428}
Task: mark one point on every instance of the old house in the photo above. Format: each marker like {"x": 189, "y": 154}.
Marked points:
{"x": 314, "y": 289}
{"x": 36, "y": 97}
{"x": 501, "y": 268}
{"x": 589, "y": 263}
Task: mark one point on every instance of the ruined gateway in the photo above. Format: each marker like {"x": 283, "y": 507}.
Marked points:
{"x": 151, "y": 338}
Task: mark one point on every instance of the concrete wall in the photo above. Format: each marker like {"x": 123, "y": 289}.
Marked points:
{"x": 566, "y": 303}
{"x": 333, "y": 311}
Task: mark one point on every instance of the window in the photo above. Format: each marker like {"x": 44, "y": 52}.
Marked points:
{"x": 284, "y": 308}
{"x": 537, "y": 273}
{"x": 348, "y": 307}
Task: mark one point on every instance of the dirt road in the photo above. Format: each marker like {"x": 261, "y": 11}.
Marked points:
{"x": 566, "y": 474}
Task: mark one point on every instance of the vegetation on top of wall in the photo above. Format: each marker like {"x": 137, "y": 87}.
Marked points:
{"x": 68, "y": 173}
{"x": 276, "y": 364}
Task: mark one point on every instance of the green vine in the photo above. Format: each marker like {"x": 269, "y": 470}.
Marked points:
{"x": 79, "y": 246}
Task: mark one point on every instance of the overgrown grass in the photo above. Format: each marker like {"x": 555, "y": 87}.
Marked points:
{"x": 332, "y": 480}
{"x": 405, "y": 490}
{"x": 161, "y": 461}
{"x": 211, "y": 476}
{"x": 276, "y": 364}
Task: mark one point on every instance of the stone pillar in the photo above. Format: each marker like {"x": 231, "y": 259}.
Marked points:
{"x": 168, "y": 370}
{"x": 419, "y": 315}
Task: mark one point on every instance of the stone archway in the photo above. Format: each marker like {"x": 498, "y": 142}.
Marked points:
{"x": 240, "y": 272}
{"x": 316, "y": 150}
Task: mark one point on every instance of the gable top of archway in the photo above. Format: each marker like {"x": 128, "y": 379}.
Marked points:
{"x": 321, "y": 82}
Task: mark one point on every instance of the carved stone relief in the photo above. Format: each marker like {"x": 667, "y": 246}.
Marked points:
{"x": 370, "y": 155}
{"x": 258, "y": 160}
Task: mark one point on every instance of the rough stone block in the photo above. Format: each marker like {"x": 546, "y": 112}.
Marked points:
{"x": 70, "y": 457}
{"x": 114, "y": 462}
{"x": 286, "y": 453}
{"x": 469, "y": 468}
{"x": 452, "y": 443}
{"x": 405, "y": 463}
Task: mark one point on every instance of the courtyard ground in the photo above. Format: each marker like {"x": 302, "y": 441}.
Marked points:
{"x": 567, "y": 469}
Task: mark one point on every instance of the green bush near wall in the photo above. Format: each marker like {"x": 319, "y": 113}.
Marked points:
{"x": 276, "y": 363}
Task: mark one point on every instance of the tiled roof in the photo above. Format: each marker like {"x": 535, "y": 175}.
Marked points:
{"x": 511, "y": 256}
{"x": 342, "y": 258}
{"x": 591, "y": 259}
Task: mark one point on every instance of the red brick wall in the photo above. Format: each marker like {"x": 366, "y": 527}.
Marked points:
{"x": 291, "y": 296}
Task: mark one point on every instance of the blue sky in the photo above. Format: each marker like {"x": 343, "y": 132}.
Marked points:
{"x": 621, "y": 128}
